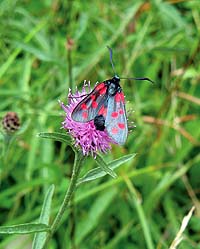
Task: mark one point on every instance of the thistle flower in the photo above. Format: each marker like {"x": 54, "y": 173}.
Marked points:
{"x": 10, "y": 122}
{"x": 85, "y": 135}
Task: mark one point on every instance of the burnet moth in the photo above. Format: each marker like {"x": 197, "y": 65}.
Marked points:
{"x": 105, "y": 105}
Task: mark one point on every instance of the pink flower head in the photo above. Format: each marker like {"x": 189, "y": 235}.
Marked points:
{"x": 85, "y": 134}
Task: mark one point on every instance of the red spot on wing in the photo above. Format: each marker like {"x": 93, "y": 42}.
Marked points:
{"x": 83, "y": 106}
{"x": 119, "y": 97}
{"x": 114, "y": 130}
{"x": 93, "y": 97}
{"x": 121, "y": 111}
{"x": 122, "y": 97}
{"x": 94, "y": 104}
{"x": 103, "y": 90}
{"x": 121, "y": 125}
{"x": 100, "y": 86}
{"x": 114, "y": 114}
{"x": 103, "y": 111}
{"x": 85, "y": 115}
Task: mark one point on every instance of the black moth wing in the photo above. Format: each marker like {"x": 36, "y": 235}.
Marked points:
{"x": 92, "y": 105}
{"x": 116, "y": 121}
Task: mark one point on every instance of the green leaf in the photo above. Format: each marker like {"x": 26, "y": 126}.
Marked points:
{"x": 39, "y": 238}
{"x": 95, "y": 214}
{"x": 24, "y": 228}
{"x": 104, "y": 166}
{"x": 81, "y": 26}
{"x": 98, "y": 172}
{"x": 44, "y": 56}
{"x": 4, "y": 67}
{"x": 56, "y": 136}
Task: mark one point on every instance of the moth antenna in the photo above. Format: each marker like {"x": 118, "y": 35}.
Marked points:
{"x": 111, "y": 59}
{"x": 145, "y": 78}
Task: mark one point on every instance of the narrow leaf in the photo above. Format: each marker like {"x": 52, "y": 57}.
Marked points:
{"x": 56, "y": 136}
{"x": 24, "y": 228}
{"x": 98, "y": 172}
{"x": 39, "y": 238}
{"x": 104, "y": 167}
{"x": 95, "y": 213}
{"x": 4, "y": 67}
{"x": 44, "y": 56}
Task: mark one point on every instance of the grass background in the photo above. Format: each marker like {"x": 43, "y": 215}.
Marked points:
{"x": 38, "y": 64}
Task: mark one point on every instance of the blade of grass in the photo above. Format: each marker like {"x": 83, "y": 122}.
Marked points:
{"x": 15, "y": 53}
{"x": 39, "y": 238}
{"x": 141, "y": 214}
{"x": 86, "y": 67}
{"x": 24, "y": 228}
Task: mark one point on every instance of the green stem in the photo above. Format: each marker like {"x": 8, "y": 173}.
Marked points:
{"x": 69, "y": 59}
{"x": 141, "y": 214}
{"x": 4, "y": 168}
{"x": 75, "y": 173}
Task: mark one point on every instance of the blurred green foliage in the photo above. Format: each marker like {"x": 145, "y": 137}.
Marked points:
{"x": 47, "y": 47}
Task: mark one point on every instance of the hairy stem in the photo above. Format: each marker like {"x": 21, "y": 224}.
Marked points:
{"x": 75, "y": 173}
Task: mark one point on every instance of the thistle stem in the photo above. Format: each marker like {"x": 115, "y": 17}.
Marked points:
{"x": 75, "y": 173}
